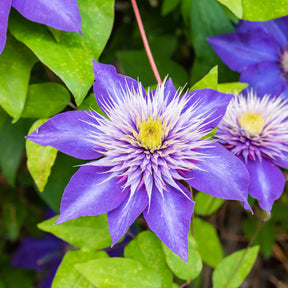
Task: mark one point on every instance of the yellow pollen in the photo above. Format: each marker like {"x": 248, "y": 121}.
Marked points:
{"x": 150, "y": 133}
{"x": 253, "y": 122}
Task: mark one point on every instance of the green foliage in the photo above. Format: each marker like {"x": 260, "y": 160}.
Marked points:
{"x": 208, "y": 242}
{"x": 148, "y": 251}
{"x": 75, "y": 51}
{"x": 67, "y": 274}
{"x": 119, "y": 273}
{"x": 39, "y": 159}
{"x": 169, "y": 5}
{"x": 83, "y": 232}
{"x": 233, "y": 269}
{"x": 206, "y": 204}
{"x": 183, "y": 270}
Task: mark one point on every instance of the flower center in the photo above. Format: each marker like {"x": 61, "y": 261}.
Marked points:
{"x": 284, "y": 62}
{"x": 150, "y": 133}
{"x": 253, "y": 122}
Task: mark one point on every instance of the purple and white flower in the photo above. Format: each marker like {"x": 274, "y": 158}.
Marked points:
{"x": 59, "y": 14}
{"x": 146, "y": 147}
{"x": 259, "y": 52}
{"x": 256, "y": 130}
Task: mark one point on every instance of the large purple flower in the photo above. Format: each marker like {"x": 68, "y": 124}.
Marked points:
{"x": 256, "y": 130}
{"x": 147, "y": 146}
{"x": 59, "y": 14}
{"x": 259, "y": 52}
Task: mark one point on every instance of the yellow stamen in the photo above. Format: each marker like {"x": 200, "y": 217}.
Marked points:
{"x": 150, "y": 133}
{"x": 253, "y": 122}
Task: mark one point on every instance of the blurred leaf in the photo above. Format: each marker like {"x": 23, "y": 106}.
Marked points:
{"x": 71, "y": 57}
{"x": 12, "y": 143}
{"x": 279, "y": 211}
{"x": 40, "y": 159}
{"x": 16, "y": 62}
{"x": 119, "y": 273}
{"x": 45, "y": 100}
{"x": 3, "y": 117}
{"x": 210, "y": 248}
{"x": 263, "y": 10}
{"x": 83, "y": 232}
{"x": 231, "y": 87}
{"x": 183, "y": 270}
{"x": 265, "y": 238}
{"x": 206, "y": 204}
{"x": 147, "y": 249}
{"x": 234, "y": 5}
{"x": 227, "y": 268}
{"x": 90, "y": 104}
{"x": 67, "y": 274}
{"x": 210, "y": 80}
{"x": 169, "y": 5}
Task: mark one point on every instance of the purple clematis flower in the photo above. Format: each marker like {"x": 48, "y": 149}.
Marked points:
{"x": 147, "y": 145}
{"x": 256, "y": 130}
{"x": 259, "y": 52}
{"x": 59, "y": 14}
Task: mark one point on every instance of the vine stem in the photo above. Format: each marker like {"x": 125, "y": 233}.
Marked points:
{"x": 145, "y": 42}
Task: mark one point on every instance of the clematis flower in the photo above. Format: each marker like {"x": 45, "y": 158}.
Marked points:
{"x": 149, "y": 143}
{"x": 259, "y": 52}
{"x": 256, "y": 130}
{"x": 59, "y": 14}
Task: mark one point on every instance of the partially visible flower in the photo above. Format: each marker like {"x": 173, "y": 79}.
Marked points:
{"x": 148, "y": 145}
{"x": 42, "y": 253}
{"x": 59, "y": 14}
{"x": 259, "y": 52}
{"x": 256, "y": 130}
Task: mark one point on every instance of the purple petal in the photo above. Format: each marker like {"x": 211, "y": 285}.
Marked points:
{"x": 59, "y": 14}
{"x": 123, "y": 216}
{"x": 266, "y": 182}
{"x": 109, "y": 85}
{"x": 265, "y": 78}
{"x": 49, "y": 277}
{"x": 239, "y": 50}
{"x": 283, "y": 161}
{"x": 89, "y": 193}
{"x": 169, "y": 90}
{"x": 213, "y": 103}
{"x": 224, "y": 175}
{"x": 169, "y": 218}
{"x": 70, "y": 133}
{"x": 5, "y": 7}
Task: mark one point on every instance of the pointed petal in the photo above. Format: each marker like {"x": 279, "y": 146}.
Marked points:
{"x": 121, "y": 218}
{"x": 87, "y": 194}
{"x": 169, "y": 90}
{"x": 265, "y": 78}
{"x": 49, "y": 277}
{"x": 5, "y": 7}
{"x": 212, "y": 102}
{"x": 69, "y": 132}
{"x": 169, "y": 218}
{"x": 283, "y": 161}
{"x": 59, "y": 14}
{"x": 224, "y": 176}
{"x": 266, "y": 182}
{"x": 109, "y": 85}
{"x": 239, "y": 50}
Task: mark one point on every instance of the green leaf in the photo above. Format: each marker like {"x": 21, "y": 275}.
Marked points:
{"x": 3, "y": 117}
{"x": 147, "y": 249}
{"x": 206, "y": 204}
{"x": 71, "y": 57}
{"x": 90, "y": 104}
{"x": 233, "y": 5}
{"x": 229, "y": 268}
{"x": 263, "y": 10}
{"x": 12, "y": 143}
{"x": 83, "y": 232}
{"x": 231, "y": 87}
{"x": 208, "y": 242}
{"x": 210, "y": 80}
{"x": 168, "y": 6}
{"x": 183, "y": 270}
{"x": 67, "y": 274}
{"x": 16, "y": 62}
{"x": 40, "y": 159}
{"x": 119, "y": 273}
{"x": 45, "y": 100}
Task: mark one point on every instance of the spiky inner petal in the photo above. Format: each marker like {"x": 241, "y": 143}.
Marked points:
{"x": 252, "y": 122}
{"x": 255, "y": 127}
{"x": 151, "y": 134}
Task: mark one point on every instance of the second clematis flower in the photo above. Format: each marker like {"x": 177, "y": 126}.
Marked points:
{"x": 259, "y": 52}
{"x": 256, "y": 130}
{"x": 59, "y": 14}
{"x": 149, "y": 144}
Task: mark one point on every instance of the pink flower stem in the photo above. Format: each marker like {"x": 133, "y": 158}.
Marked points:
{"x": 145, "y": 42}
